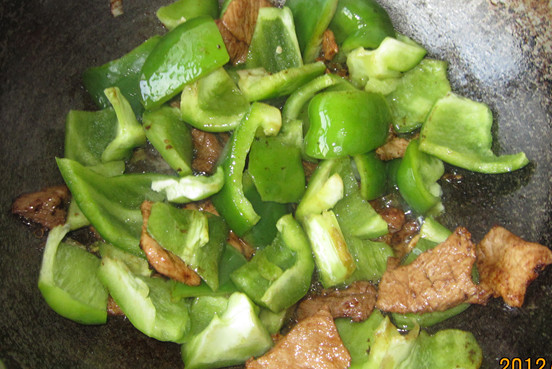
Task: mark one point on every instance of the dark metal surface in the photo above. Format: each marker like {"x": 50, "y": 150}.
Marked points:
{"x": 499, "y": 53}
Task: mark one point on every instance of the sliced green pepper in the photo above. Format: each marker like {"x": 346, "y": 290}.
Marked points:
{"x": 417, "y": 177}
{"x": 311, "y": 19}
{"x": 231, "y": 202}
{"x": 373, "y": 175}
{"x": 190, "y": 188}
{"x": 279, "y": 275}
{"x": 258, "y": 84}
{"x": 339, "y": 118}
{"x": 370, "y": 258}
{"x": 458, "y": 131}
{"x": 360, "y": 23}
{"x": 123, "y": 73}
{"x": 181, "y": 11}
{"x": 274, "y": 44}
{"x": 191, "y": 50}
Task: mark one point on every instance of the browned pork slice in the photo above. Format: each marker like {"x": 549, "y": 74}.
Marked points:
{"x": 237, "y": 50}
{"x": 313, "y": 343}
{"x": 356, "y": 302}
{"x": 394, "y": 148}
{"x": 437, "y": 280}
{"x": 507, "y": 264}
{"x": 46, "y": 207}
{"x": 164, "y": 261}
{"x": 329, "y": 45}
{"x": 207, "y": 149}
{"x": 401, "y": 231}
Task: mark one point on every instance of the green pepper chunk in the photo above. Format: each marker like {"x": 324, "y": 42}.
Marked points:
{"x": 171, "y": 137}
{"x": 372, "y": 172}
{"x": 311, "y": 19}
{"x": 111, "y": 204}
{"x": 276, "y": 169}
{"x": 123, "y": 73}
{"x": 213, "y": 103}
{"x": 181, "y": 11}
{"x": 68, "y": 280}
{"x": 370, "y": 258}
{"x": 274, "y": 44}
{"x": 417, "y": 177}
{"x": 360, "y": 23}
{"x": 190, "y": 188}
{"x": 458, "y": 131}
{"x": 230, "y": 201}
{"x": 339, "y": 118}
{"x": 188, "y": 52}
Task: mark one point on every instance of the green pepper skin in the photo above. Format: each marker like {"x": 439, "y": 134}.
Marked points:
{"x": 230, "y": 201}
{"x": 373, "y": 175}
{"x": 312, "y": 18}
{"x": 181, "y": 11}
{"x": 191, "y": 50}
{"x": 416, "y": 179}
{"x": 360, "y": 23}
{"x": 123, "y": 73}
{"x": 339, "y": 118}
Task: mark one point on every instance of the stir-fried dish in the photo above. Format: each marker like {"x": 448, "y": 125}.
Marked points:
{"x": 262, "y": 187}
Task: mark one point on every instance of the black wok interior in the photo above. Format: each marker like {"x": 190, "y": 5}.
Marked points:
{"x": 499, "y": 53}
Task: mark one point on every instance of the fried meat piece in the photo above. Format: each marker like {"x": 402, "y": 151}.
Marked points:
{"x": 237, "y": 50}
{"x": 207, "y": 150}
{"x": 356, "y": 302}
{"x": 401, "y": 231}
{"x": 241, "y": 245}
{"x": 394, "y": 147}
{"x": 329, "y": 46}
{"x": 313, "y": 343}
{"x": 46, "y": 207}
{"x": 437, "y": 280}
{"x": 112, "y": 308}
{"x": 507, "y": 264}
{"x": 164, "y": 261}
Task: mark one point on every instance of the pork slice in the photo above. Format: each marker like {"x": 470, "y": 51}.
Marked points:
{"x": 437, "y": 280}
{"x": 356, "y": 302}
{"x": 237, "y": 50}
{"x": 507, "y": 264}
{"x": 207, "y": 149}
{"x": 313, "y": 343}
{"x": 240, "y": 18}
{"x": 164, "y": 261}
{"x": 394, "y": 147}
{"x": 47, "y": 207}
{"x": 329, "y": 45}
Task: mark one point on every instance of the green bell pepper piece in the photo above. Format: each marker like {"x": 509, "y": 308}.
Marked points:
{"x": 258, "y": 84}
{"x": 171, "y": 137}
{"x": 196, "y": 237}
{"x": 370, "y": 258}
{"x": 274, "y": 43}
{"x": 431, "y": 234}
{"x": 416, "y": 93}
{"x": 137, "y": 265}
{"x": 339, "y": 118}
{"x": 458, "y": 131}
{"x": 279, "y": 275}
{"x": 213, "y": 103}
{"x": 373, "y": 175}
{"x": 231, "y": 260}
{"x": 190, "y": 188}
{"x": 203, "y": 309}
{"x": 311, "y": 19}
{"x": 417, "y": 178}
{"x": 111, "y": 204}
{"x": 68, "y": 280}
{"x": 129, "y": 133}
{"x": 360, "y": 23}
{"x": 231, "y": 202}
{"x": 229, "y": 339}
{"x": 188, "y": 52}
{"x": 123, "y": 73}
{"x": 181, "y": 11}
{"x": 273, "y": 321}
{"x": 276, "y": 170}
{"x": 411, "y": 320}
{"x": 146, "y": 301}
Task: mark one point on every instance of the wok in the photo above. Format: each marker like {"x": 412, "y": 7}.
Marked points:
{"x": 499, "y": 52}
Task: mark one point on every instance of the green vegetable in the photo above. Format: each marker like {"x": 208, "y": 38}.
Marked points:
{"x": 231, "y": 202}
{"x": 311, "y": 20}
{"x": 190, "y": 188}
{"x": 129, "y": 133}
{"x": 338, "y": 118}
{"x": 213, "y": 103}
{"x": 280, "y": 274}
{"x": 373, "y": 175}
{"x": 360, "y": 23}
{"x": 370, "y": 258}
{"x": 68, "y": 280}
{"x": 203, "y": 309}
{"x": 258, "y": 84}
{"x": 181, "y": 11}
{"x": 274, "y": 45}
{"x": 229, "y": 339}
{"x": 188, "y": 52}
{"x": 417, "y": 177}
{"x": 171, "y": 137}
{"x": 123, "y": 73}
{"x": 411, "y": 320}
{"x": 458, "y": 131}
